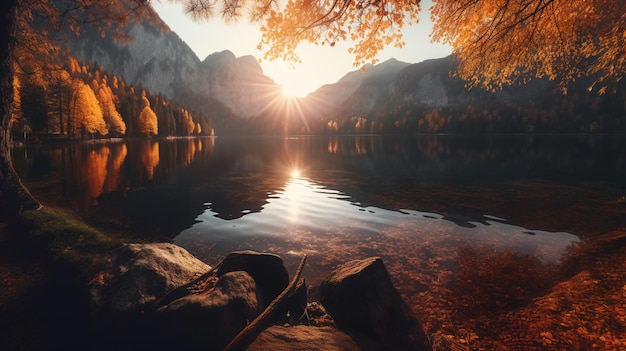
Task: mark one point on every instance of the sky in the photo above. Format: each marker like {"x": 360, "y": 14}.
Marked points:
{"x": 320, "y": 64}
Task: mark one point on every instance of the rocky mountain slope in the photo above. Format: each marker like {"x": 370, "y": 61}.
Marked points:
{"x": 160, "y": 61}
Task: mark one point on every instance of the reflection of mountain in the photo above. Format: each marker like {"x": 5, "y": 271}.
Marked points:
{"x": 507, "y": 177}
{"x": 441, "y": 174}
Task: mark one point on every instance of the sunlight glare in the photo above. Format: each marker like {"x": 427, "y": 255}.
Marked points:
{"x": 295, "y": 173}
{"x": 292, "y": 92}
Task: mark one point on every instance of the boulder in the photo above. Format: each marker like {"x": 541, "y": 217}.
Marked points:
{"x": 209, "y": 320}
{"x": 267, "y": 270}
{"x": 143, "y": 273}
{"x": 303, "y": 338}
{"x": 362, "y": 300}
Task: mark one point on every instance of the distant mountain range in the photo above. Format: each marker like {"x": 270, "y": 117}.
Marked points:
{"x": 392, "y": 96}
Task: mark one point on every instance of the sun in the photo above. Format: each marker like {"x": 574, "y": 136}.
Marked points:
{"x": 296, "y": 82}
{"x": 292, "y": 91}
{"x": 295, "y": 173}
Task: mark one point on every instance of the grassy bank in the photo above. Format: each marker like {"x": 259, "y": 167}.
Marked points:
{"x": 48, "y": 259}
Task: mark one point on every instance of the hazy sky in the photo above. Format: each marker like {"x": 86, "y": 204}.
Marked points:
{"x": 320, "y": 64}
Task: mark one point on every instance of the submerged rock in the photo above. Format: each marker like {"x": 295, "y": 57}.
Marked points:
{"x": 143, "y": 273}
{"x": 361, "y": 298}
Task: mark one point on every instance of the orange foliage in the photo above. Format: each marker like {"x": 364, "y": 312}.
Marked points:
{"x": 497, "y": 41}
{"x": 86, "y": 112}
{"x": 503, "y": 41}
{"x": 106, "y": 99}
{"x": 147, "y": 120}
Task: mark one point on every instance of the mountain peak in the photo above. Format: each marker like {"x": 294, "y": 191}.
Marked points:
{"x": 221, "y": 56}
{"x": 250, "y": 62}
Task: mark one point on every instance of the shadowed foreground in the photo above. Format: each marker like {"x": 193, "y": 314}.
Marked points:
{"x": 48, "y": 259}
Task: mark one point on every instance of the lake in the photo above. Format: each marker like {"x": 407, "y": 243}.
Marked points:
{"x": 428, "y": 205}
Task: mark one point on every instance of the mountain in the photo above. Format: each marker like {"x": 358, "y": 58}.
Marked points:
{"x": 426, "y": 97}
{"x": 364, "y": 87}
{"x": 390, "y": 97}
{"x": 159, "y": 60}
{"x": 238, "y": 82}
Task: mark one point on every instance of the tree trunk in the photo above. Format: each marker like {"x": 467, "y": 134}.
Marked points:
{"x": 14, "y": 197}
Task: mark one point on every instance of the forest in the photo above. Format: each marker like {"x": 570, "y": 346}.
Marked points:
{"x": 78, "y": 101}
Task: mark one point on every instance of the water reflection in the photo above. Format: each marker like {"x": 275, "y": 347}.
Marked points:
{"x": 150, "y": 156}
{"x": 555, "y": 183}
{"x": 307, "y": 217}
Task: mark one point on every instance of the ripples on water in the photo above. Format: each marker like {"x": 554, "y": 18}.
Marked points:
{"x": 309, "y": 218}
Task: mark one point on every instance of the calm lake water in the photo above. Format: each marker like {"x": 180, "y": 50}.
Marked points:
{"x": 341, "y": 198}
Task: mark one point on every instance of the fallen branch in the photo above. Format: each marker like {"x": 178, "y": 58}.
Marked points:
{"x": 243, "y": 339}
{"x": 183, "y": 290}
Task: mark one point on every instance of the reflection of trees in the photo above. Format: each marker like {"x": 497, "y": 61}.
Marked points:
{"x": 118, "y": 155}
{"x": 149, "y": 154}
{"x": 447, "y": 175}
{"x": 90, "y": 172}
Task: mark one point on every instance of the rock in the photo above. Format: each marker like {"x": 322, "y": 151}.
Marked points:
{"x": 209, "y": 320}
{"x": 268, "y": 271}
{"x": 302, "y": 337}
{"x": 143, "y": 273}
{"x": 361, "y": 298}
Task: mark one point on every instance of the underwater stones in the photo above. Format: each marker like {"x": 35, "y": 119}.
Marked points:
{"x": 362, "y": 300}
{"x": 144, "y": 272}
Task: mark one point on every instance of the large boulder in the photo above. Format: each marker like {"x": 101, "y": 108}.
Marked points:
{"x": 142, "y": 273}
{"x": 208, "y": 320}
{"x": 362, "y": 300}
{"x": 267, "y": 270}
{"x": 303, "y": 338}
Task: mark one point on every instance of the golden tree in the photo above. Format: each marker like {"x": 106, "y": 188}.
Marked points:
{"x": 147, "y": 120}
{"x": 34, "y": 29}
{"x": 86, "y": 114}
{"x": 106, "y": 98}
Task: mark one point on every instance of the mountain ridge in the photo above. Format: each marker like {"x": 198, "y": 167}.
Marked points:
{"x": 390, "y": 97}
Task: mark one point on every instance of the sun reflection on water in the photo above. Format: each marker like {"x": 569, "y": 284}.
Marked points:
{"x": 295, "y": 173}
{"x": 305, "y": 215}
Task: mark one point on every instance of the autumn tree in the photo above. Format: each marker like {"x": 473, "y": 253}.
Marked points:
{"x": 497, "y": 41}
{"x": 106, "y": 99}
{"x": 86, "y": 114}
{"x": 34, "y": 29}
{"x": 147, "y": 120}
{"x": 503, "y": 41}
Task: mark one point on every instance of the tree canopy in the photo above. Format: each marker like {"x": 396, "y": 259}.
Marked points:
{"x": 496, "y": 41}
{"x": 504, "y": 41}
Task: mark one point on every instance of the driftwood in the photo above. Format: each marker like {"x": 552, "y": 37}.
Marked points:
{"x": 243, "y": 339}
